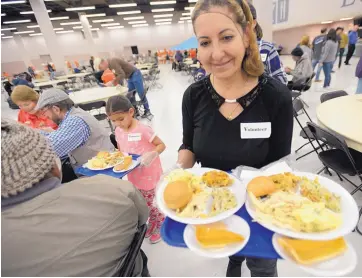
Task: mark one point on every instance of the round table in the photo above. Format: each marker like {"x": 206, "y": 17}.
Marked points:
{"x": 97, "y": 94}
{"x": 343, "y": 115}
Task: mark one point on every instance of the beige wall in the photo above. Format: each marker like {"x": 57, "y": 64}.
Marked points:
{"x": 291, "y": 37}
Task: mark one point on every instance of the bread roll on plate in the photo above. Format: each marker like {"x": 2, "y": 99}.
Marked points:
{"x": 261, "y": 186}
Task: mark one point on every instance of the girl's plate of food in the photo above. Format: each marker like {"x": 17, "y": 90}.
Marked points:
{"x": 126, "y": 165}
{"x": 335, "y": 257}
{"x": 218, "y": 240}
{"x": 105, "y": 160}
{"x": 302, "y": 206}
{"x": 200, "y": 195}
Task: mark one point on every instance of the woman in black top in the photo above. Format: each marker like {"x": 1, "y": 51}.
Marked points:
{"x": 237, "y": 115}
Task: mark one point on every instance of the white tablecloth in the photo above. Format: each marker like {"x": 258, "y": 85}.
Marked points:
{"x": 144, "y": 66}
{"x": 49, "y": 82}
{"x": 82, "y": 74}
{"x": 97, "y": 94}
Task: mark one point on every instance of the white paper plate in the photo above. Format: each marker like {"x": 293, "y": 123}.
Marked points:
{"x": 349, "y": 211}
{"x": 338, "y": 266}
{"x": 100, "y": 169}
{"x": 131, "y": 167}
{"x": 238, "y": 188}
{"x": 235, "y": 224}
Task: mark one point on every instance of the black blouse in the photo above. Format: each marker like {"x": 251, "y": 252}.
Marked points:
{"x": 216, "y": 141}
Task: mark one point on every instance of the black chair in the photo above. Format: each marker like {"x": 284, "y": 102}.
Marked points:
{"x": 134, "y": 250}
{"x": 97, "y": 105}
{"x": 331, "y": 95}
{"x": 44, "y": 87}
{"x": 139, "y": 104}
{"x": 305, "y": 133}
{"x": 297, "y": 92}
{"x": 339, "y": 158}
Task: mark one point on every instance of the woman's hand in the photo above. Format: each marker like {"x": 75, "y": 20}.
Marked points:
{"x": 186, "y": 159}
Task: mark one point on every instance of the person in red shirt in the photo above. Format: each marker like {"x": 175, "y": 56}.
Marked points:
{"x": 26, "y": 98}
{"x": 108, "y": 77}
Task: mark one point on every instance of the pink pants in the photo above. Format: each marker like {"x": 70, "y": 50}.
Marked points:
{"x": 156, "y": 217}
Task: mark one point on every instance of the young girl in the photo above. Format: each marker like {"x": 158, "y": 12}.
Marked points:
{"x": 136, "y": 138}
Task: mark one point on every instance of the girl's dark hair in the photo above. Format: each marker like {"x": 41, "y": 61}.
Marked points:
{"x": 332, "y": 35}
{"x": 118, "y": 104}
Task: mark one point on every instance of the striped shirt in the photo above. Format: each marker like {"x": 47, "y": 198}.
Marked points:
{"x": 271, "y": 60}
{"x": 72, "y": 133}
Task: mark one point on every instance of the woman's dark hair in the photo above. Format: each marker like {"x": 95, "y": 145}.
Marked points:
{"x": 332, "y": 35}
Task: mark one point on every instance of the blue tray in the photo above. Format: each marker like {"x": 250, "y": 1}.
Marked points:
{"x": 259, "y": 245}
{"x": 109, "y": 172}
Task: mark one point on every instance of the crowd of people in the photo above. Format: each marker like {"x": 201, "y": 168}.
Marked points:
{"x": 57, "y": 224}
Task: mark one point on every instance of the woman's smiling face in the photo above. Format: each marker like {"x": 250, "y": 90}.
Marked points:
{"x": 221, "y": 42}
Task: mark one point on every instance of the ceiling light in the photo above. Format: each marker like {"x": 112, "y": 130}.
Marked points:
{"x": 163, "y": 23}
{"x": 71, "y": 23}
{"x": 17, "y": 21}
{"x": 79, "y": 27}
{"x": 13, "y": 2}
{"x": 326, "y": 22}
{"x": 109, "y": 24}
{"x": 2, "y": 34}
{"x": 80, "y": 8}
{"x": 32, "y": 26}
{"x": 162, "y": 10}
{"x": 3, "y": 14}
{"x": 95, "y": 15}
{"x": 32, "y": 12}
{"x": 103, "y": 20}
{"x": 189, "y": 21}
{"x": 192, "y": 1}
{"x": 185, "y": 18}
{"x": 162, "y": 20}
{"x": 24, "y": 32}
{"x": 162, "y": 2}
{"x": 134, "y": 18}
{"x": 129, "y": 12}
{"x": 36, "y": 34}
{"x": 94, "y": 29}
{"x": 7, "y": 37}
{"x": 346, "y": 18}
{"x": 137, "y": 22}
{"x": 123, "y": 5}
{"x": 189, "y": 8}
{"x": 59, "y": 18}
{"x": 186, "y": 14}
{"x": 116, "y": 27}
{"x": 162, "y": 15}
{"x": 63, "y": 32}
{"x": 8, "y": 29}
{"x": 140, "y": 25}
{"x": 58, "y": 29}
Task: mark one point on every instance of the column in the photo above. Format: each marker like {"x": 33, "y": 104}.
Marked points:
{"x": 88, "y": 34}
{"x": 46, "y": 27}
{"x": 264, "y": 10}
{"x": 24, "y": 53}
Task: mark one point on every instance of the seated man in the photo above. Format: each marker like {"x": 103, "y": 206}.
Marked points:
{"x": 124, "y": 70}
{"x": 302, "y": 71}
{"x": 79, "y": 135}
{"x": 81, "y": 228}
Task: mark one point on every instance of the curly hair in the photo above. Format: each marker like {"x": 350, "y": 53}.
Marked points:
{"x": 252, "y": 63}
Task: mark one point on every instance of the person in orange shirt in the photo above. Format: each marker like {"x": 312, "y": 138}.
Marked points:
{"x": 108, "y": 77}
{"x": 193, "y": 54}
{"x": 26, "y": 98}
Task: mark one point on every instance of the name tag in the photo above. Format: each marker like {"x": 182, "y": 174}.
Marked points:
{"x": 263, "y": 56}
{"x": 134, "y": 137}
{"x": 255, "y": 130}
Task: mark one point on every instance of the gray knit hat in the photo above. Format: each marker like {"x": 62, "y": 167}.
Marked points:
{"x": 51, "y": 96}
{"x": 26, "y": 157}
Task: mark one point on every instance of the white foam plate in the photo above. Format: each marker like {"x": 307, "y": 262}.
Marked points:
{"x": 134, "y": 164}
{"x": 100, "y": 169}
{"x": 234, "y": 224}
{"x": 349, "y": 211}
{"x": 237, "y": 188}
{"x": 337, "y": 266}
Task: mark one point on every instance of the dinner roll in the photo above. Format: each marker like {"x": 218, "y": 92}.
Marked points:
{"x": 261, "y": 186}
{"x": 177, "y": 194}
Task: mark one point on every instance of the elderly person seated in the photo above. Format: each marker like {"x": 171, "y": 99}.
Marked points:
{"x": 302, "y": 71}
{"x": 79, "y": 136}
{"x": 82, "y": 228}
{"x": 26, "y": 98}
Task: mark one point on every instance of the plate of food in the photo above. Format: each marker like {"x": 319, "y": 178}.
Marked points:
{"x": 301, "y": 205}
{"x": 126, "y": 165}
{"x": 105, "y": 160}
{"x": 200, "y": 195}
{"x": 335, "y": 257}
{"x": 218, "y": 240}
